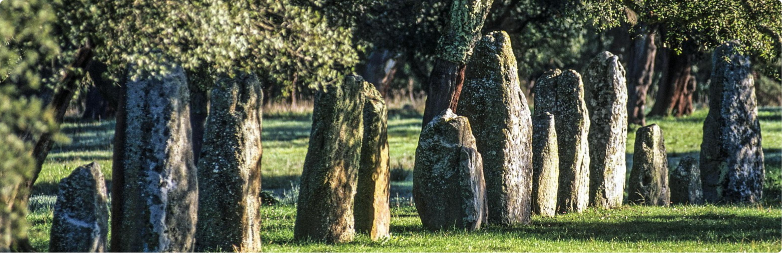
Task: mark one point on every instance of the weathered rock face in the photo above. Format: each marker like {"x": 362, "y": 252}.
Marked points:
{"x": 606, "y": 100}
{"x": 371, "y": 212}
{"x": 731, "y": 154}
{"x": 81, "y": 214}
{"x": 649, "y": 177}
{"x": 154, "y": 188}
{"x": 685, "y": 183}
{"x": 545, "y": 162}
{"x": 448, "y": 186}
{"x": 229, "y": 171}
{"x": 328, "y": 182}
{"x": 562, "y": 94}
{"x": 501, "y": 122}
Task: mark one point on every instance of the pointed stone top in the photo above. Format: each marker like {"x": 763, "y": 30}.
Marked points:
{"x": 446, "y": 115}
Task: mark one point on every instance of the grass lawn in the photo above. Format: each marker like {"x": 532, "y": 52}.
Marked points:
{"x": 630, "y": 228}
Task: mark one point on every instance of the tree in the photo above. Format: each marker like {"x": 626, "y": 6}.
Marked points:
{"x": 25, "y": 29}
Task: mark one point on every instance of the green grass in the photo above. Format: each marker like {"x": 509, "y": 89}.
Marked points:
{"x": 630, "y": 228}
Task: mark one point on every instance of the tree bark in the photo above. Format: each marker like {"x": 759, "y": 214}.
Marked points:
{"x": 641, "y": 62}
{"x": 380, "y": 70}
{"x": 445, "y": 86}
{"x": 453, "y": 50}
{"x": 674, "y": 96}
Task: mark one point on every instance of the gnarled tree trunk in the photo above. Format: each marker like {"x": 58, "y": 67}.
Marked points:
{"x": 453, "y": 50}
{"x": 674, "y": 96}
{"x": 640, "y": 74}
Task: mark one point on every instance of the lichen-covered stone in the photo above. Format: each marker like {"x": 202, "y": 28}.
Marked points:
{"x": 371, "y": 212}
{"x": 463, "y": 29}
{"x": 562, "y": 94}
{"x": 731, "y": 160}
{"x": 154, "y": 182}
{"x": 500, "y": 119}
{"x": 229, "y": 171}
{"x": 81, "y": 214}
{"x": 328, "y": 182}
{"x": 649, "y": 177}
{"x": 545, "y": 163}
{"x": 606, "y": 101}
{"x": 685, "y": 183}
{"x": 448, "y": 186}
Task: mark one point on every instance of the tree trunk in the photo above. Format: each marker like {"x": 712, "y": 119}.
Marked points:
{"x": 639, "y": 79}
{"x": 445, "y": 86}
{"x": 674, "y": 95}
{"x": 380, "y": 70}
{"x": 453, "y": 50}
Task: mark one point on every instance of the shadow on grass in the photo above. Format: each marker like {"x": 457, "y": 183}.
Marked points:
{"x": 706, "y": 228}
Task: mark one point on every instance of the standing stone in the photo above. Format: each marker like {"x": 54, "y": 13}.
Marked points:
{"x": 545, "y": 162}
{"x": 328, "y": 182}
{"x": 371, "y": 210}
{"x": 448, "y": 186}
{"x": 500, "y": 119}
{"x": 154, "y": 188}
{"x": 562, "y": 94}
{"x": 731, "y": 154}
{"x": 81, "y": 214}
{"x": 606, "y": 100}
{"x": 229, "y": 171}
{"x": 649, "y": 177}
{"x": 685, "y": 183}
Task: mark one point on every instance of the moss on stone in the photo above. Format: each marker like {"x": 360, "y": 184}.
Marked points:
{"x": 463, "y": 29}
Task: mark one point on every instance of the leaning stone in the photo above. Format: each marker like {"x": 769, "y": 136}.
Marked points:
{"x": 448, "y": 186}
{"x": 371, "y": 210}
{"x": 500, "y": 119}
{"x": 562, "y": 94}
{"x": 545, "y": 162}
{"x": 685, "y": 183}
{"x": 229, "y": 170}
{"x": 606, "y": 100}
{"x": 649, "y": 177}
{"x": 731, "y": 158}
{"x": 81, "y": 214}
{"x": 328, "y": 182}
{"x": 154, "y": 188}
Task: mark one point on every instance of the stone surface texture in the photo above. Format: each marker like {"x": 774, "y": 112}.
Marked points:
{"x": 154, "y": 182}
{"x": 685, "y": 183}
{"x": 500, "y": 119}
{"x": 649, "y": 177}
{"x": 562, "y": 94}
{"x": 328, "y": 182}
{"x": 371, "y": 207}
{"x": 81, "y": 214}
{"x": 448, "y": 185}
{"x": 545, "y": 163}
{"x": 229, "y": 171}
{"x": 606, "y": 100}
{"x": 731, "y": 160}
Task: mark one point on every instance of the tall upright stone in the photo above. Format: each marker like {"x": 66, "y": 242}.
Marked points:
{"x": 562, "y": 94}
{"x": 545, "y": 164}
{"x": 448, "y": 185}
{"x": 501, "y": 122}
{"x": 731, "y": 160}
{"x": 81, "y": 213}
{"x": 371, "y": 212}
{"x": 685, "y": 183}
{"x": 649, "y": 177}
{"x": 229, "y": 170}
{"x": 606, "y": 100}
{"x": 328, "y": 182}
{"x": 154, "y": 184}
